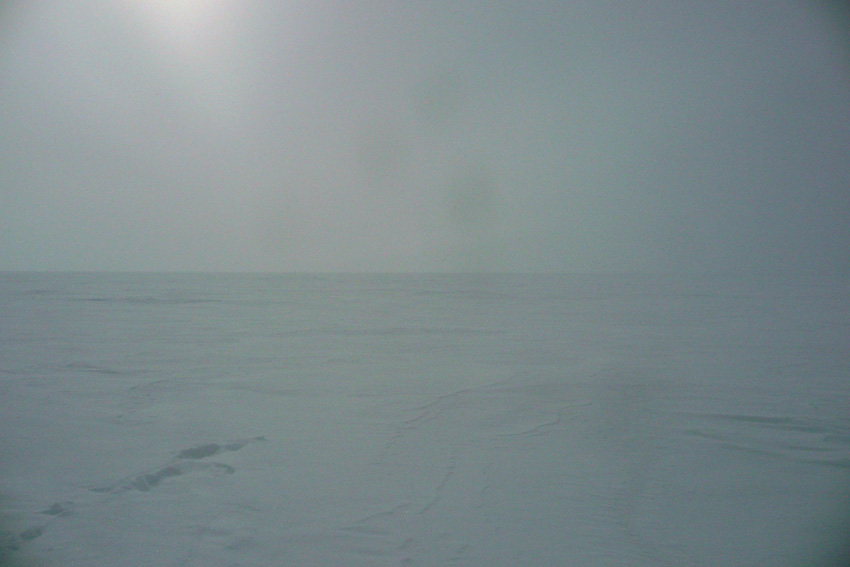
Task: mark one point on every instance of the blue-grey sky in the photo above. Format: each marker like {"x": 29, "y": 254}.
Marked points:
{"x": 424, "y": 136}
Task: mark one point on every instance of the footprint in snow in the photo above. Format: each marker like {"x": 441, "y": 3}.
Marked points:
{"x": 187, "y": 460}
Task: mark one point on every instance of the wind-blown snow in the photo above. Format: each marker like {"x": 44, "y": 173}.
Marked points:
{"x": 376, "y": 420}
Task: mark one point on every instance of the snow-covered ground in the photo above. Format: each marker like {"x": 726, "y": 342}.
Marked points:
{"x": 253, "y": 420}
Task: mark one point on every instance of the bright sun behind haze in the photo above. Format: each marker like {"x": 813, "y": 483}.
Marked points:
{"x": 365, "y": 136}
{"x": 193, "y": 41}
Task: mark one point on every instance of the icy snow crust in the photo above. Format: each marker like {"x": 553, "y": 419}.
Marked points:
{"x": 222, "y": 420}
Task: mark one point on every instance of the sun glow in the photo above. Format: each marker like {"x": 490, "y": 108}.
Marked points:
{"x": 188, "y": 27}
{"x": 195, "y": 42}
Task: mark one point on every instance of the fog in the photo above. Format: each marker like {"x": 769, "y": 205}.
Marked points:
{"x": 424, "y": 136}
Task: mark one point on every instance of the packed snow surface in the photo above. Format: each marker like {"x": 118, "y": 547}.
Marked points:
{"x": 389, "y": 420}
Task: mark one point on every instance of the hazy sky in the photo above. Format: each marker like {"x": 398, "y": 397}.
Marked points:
{"x": 432, "y": 135}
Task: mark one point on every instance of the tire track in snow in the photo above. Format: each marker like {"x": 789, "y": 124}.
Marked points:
{"x": 441, "y": 462}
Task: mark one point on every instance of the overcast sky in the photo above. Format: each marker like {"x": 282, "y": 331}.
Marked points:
{"x": 311, "y": 135}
